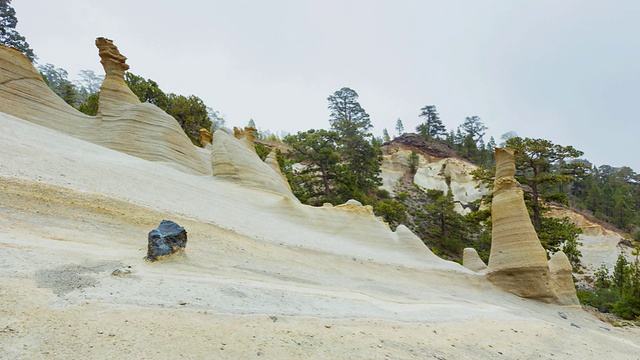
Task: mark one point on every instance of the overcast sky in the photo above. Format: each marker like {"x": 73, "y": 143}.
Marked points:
{"x": 567, "y": 71}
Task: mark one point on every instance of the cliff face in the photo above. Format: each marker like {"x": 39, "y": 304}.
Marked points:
{"x": 432, "y": 172}
{"x": 600, "y": 245}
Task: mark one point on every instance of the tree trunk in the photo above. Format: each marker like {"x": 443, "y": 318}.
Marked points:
{"x": 325, "y": 181}
{"x": 537, "y": 221}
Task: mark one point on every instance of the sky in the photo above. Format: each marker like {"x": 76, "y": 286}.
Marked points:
{"x": 567, "y": 71}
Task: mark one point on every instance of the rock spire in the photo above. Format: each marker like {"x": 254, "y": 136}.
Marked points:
{"x": 518, "y": 262}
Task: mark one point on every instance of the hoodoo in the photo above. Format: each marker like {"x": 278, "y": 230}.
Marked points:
{"x": 518, "y": 262}
{"x": 122, "y": 123}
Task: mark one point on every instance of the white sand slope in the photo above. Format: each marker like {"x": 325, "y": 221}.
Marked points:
{"x": 263, "y": 276}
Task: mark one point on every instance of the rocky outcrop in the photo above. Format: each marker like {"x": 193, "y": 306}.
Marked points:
{"x": 355, "y": 206}
{"x": 562, "y": 279}
{"x": 247, "y": 135}
{"x": 114, "y": 92}
{"x": 518, "y": 262}
{"x": 409, "y": 243}
{"x": 451, "y": 174}
{"x": 432, "y": 173}
{"x": 167, "y": 239}
{"x": 122, "y": 123}
{"x": 471, "y": 260}
{"x": 600, "y": 244}
{"x": 431, "y": 148}
{"x": 205, "y": 137}
{"x": 272, "y": 161}
{"x": 232, "y": 159}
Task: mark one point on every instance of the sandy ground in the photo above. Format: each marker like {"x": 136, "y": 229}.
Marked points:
{"x": 74, "y": 220}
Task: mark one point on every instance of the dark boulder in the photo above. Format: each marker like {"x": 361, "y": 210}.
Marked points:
{"x": 166, "y": 239}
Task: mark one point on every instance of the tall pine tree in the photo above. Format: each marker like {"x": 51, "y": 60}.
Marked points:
{"x": 432, "y": 127}
{"x": 362, "y": 160}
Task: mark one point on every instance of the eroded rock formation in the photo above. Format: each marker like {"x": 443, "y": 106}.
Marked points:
{"x": 435, "y": 173}
{"x": 205, "y": 137}
{"x": 114, "y": 91}
{"x": 451, "y": 174}
{"x": 272, "y": 161}
{"x": 247, "y": 135}
{"x": 518, "y": 262}
{"x": 232, "y": 159}
{"x": 471, "y": 260}
{"x": 122, "y": 123}
{"x": 562, "y": 279}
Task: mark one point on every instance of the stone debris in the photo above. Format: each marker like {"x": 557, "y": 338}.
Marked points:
{"x": 562, "y": 315}
{"x": 167, "y": 239}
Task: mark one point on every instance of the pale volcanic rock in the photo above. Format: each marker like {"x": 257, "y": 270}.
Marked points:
{"x": 408, "y": 242}
{"x": 272, "y": 161}
{"x": 471, "y": 260}
{"x": 431, "y": 176}
{"x": 122, "y": 123}
{"x": 561, "y": 279}
{"x": 518, "y": 262}
{"x": 25, "y": 95}
{"x": 460, "y": 209}
{"x": 454, "y": 173}
{"x": 232, "y": 159}
{"x": 262, "y": 271}
{"x": 433, "y": 173}
{"x": 599, "y": 245}
{"x": 395, "y": 164}
{"x": 247, "y": 135}
{"x": 355, "y": 206}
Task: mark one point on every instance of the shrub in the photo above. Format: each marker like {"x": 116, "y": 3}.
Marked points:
{"x": 628, "y": 307}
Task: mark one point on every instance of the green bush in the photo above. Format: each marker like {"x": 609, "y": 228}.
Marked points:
{"x": 383, "y": 194}
{"x": 627, "y": 307}
{"x": 601, "y": 299}
{"x": 391, "y": 211}
{"x": 452, "y": 245}
{"x": 262, "y": 151}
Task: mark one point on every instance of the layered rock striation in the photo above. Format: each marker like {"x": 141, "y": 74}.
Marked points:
{"x": 122, "y": 123}
{"x": 471, "y": 260}
{"x": 125, "y": 124}
{"x": 518, "y": 262}
{"x": 234, "y": 159}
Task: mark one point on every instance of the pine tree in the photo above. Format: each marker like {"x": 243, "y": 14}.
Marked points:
{"x": 535, "y": 159}
{"x": 9, "y": 36}
{"x": 347, "y": 117}
{"x": 432, "y": 127}
{"x": 399, "y": 127}
{"x": 317, "y": 149}
{"x": 362, "y": 159}
{"x": 385, "y": 135}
